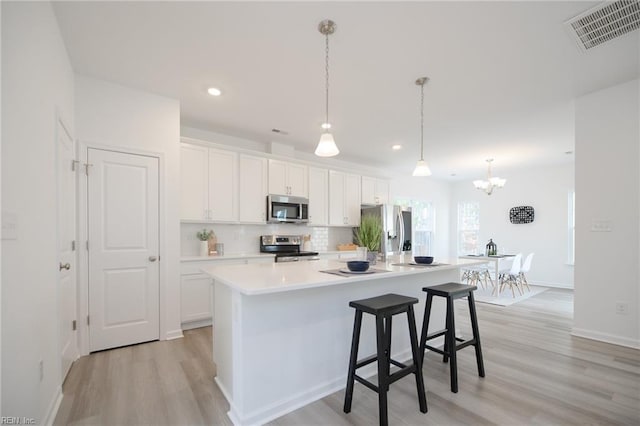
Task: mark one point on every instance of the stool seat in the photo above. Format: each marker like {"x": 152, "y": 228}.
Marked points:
{"x": 384, "y": 308}
{"x": 455, "y": 290}
{"x": 452, "y": 344}
{"x": 383, "y": 304}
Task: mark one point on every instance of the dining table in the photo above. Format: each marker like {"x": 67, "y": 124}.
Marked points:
{"x": 496, "y": 259}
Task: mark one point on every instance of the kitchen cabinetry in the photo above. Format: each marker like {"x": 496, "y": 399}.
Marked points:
{"x": 318, "y": 196}
{"x": 253, "y": 189}
{"x": 287, "y": 178}
{"x": 374, "y": 191}
{"x": 195, "y": 289}
{"x": 344, "y": 199}
{"x": 208, "y": 184}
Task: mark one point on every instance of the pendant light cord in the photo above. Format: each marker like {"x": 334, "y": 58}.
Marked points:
{"x": 422, "y": 122}
{"x": 326, "y": 68}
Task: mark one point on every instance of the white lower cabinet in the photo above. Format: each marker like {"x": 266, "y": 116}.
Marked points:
{"x": 195, "y": 302}
{"x": 196, "y": 289}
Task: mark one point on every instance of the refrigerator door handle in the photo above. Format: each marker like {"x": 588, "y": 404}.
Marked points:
{"x": 401, "y": 224}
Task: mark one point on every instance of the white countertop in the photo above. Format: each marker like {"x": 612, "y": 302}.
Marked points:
{"x": 226, "y": 257}
{"x": 254, "y": 279}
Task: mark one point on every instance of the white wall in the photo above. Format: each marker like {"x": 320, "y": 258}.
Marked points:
{"x": 607, "y": 189}
{"x": 427, "y": 189}
{"x": 37, "y": 83}
{"x": 546, "y": 189}
{"x": 116, "y": 116}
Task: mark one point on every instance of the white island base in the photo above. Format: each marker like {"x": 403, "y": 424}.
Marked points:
{"x": 282, "y": 331}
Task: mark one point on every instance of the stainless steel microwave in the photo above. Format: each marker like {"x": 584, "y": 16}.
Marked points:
{"x": 287, "y": 209}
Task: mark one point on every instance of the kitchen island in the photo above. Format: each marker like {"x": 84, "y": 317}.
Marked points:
{"x": 282, "y": 331}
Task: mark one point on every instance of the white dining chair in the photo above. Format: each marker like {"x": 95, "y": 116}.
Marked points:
{"x": 526, "y": 267}
{"x": 477, "y": 275}
{"x": 510, "y": 278}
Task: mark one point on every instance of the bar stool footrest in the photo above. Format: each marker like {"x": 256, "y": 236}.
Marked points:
{"x": 436, "y": 350}
{"x": 366, "y": 361}
{"x": 367, "y": 383}
{"x": 465, "y": 343}
{"x": 436, "y": 334}
{"x": 401, "y": 373}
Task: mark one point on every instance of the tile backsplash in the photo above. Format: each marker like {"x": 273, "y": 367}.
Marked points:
{"x": 245, "y": 238}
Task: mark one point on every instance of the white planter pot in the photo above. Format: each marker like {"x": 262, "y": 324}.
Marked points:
{"x": 204, "y": 248}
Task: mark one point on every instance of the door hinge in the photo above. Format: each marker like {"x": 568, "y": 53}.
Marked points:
{"x": 73, "y": 325}
{"x": 74, "y": 165}
{"x": 88, "y": 322}
{"x": 73, "y": 245}
{"x": 86, "y": 168}
{"x": 87, "y": 244}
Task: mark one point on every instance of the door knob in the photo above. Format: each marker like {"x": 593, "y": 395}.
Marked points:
{"x": 66, "y": 266}
{"x": 152, "y": 258}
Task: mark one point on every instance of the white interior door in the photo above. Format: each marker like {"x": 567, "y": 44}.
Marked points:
{"x": 66, "y": 215}
{"x": 123, "y": 221}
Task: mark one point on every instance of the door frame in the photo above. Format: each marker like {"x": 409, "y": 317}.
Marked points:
{"x": 62, "y": 122}
{"x": 83, "y": 233}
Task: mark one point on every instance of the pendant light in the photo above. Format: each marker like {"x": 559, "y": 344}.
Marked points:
{"x": 421, "y": 167}
{"x": 327, "y": 146}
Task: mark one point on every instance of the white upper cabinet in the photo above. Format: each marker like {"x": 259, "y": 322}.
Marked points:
{"x": 223, "y": 186}
{"x": 344, "y": 199}
{"x": 208, "y": 184}
{"x": 253, "y": 189}
{"x": 194, "y": 182}
{"x": 374, "y": 191}
{"x": 318, "y": 196}
{"x": 288, "y": 178}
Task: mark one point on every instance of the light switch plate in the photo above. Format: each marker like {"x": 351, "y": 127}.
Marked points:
{"x": 9, "y": 225}
{"x": 601, "y": 226}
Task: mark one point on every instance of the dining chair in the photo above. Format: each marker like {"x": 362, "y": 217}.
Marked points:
{"x": 477, "y": 275}
{"x": 526, "y": 266}
{"x": 511, "y": 277}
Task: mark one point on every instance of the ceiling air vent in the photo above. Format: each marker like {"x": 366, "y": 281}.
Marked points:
{"x": 604, "y": 22}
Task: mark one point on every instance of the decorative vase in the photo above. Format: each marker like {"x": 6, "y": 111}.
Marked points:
{"x": 204, "y": 248}
{"x": 372, "y": 257}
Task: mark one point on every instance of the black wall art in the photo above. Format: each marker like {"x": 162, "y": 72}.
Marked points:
{"x": 521, "y": 214}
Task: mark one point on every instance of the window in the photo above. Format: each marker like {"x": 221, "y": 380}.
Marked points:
{"x": 423, "y": 218}
{"x": 468, "y": 228}
{"x": 571, "y": 257}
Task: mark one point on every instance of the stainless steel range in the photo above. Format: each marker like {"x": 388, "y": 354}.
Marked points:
{"x": 287, "y": 248}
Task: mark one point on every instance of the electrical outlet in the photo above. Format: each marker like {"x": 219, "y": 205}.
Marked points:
{"x": 41, "y": 368}
{"x": 622, "y": 308}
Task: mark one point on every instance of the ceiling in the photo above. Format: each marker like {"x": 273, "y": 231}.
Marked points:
{"x": 503, "y": 75}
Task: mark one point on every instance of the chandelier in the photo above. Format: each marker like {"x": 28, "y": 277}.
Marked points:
{"x": 327, "y": 146}
{"x": 491, "y": 182}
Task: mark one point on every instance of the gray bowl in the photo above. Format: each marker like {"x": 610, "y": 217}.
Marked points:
{"x": 425, "y": 260}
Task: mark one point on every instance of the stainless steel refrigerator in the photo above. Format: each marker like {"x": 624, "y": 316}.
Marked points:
{"x": 396, "y": 225}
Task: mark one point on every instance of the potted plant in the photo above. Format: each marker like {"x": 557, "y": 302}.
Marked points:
{"x": 204, "y": 236}
{"x": 369, "y": 235}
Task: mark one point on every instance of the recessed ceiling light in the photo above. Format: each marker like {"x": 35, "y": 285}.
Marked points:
{"x": 214, "y": 91}
{"x": 396, "y": 147}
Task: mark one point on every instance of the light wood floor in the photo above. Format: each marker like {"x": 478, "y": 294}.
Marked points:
{"x": 536, "y": 374}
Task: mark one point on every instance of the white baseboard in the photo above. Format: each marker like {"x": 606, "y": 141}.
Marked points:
{"x": 196, "y": 324}
{"x": 54, "y": 405}
{"x": 174, "y": 334}
{"x": 552, "y": 285}
{"x": 606, "y": 337}
{"x": 282, "y": 407}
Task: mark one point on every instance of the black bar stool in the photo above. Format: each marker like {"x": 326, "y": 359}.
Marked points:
{"x": 452, "y": 291}
{"x": 384, "y": 307}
